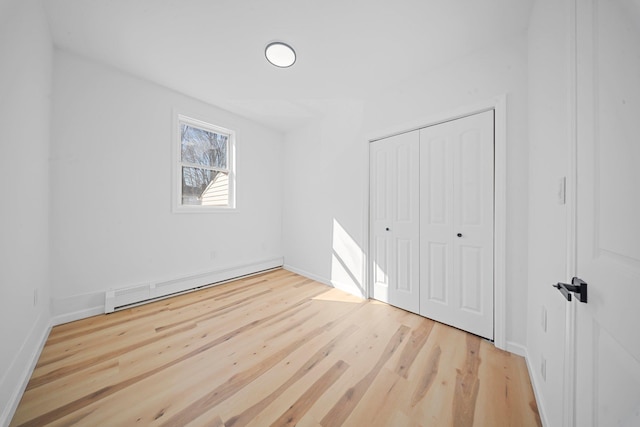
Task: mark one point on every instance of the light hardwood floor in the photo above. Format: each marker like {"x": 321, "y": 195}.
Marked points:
{"x": 273, "y": 349}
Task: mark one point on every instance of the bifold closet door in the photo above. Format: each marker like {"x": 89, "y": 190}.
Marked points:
{"x": 394, "y": 212}
{"x": 456, "y": 223}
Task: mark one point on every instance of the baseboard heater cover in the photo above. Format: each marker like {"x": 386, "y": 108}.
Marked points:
{"x": 131, "y": 296}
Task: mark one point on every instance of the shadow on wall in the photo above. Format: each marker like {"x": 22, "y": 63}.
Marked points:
{"x": 347, "y": 262}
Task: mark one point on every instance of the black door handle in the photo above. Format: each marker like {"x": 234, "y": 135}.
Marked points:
{"x": 577, "y": 286}
{"x": 459, "y": 234}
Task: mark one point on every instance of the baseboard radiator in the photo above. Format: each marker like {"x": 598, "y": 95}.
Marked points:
{"x": 131, "y": 296}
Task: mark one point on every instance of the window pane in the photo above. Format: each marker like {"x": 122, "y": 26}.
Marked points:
{"x": 202, "y": 147}
{"x": 203, "y": 187}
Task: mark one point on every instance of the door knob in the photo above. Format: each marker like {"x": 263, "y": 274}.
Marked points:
{"x": 459, "y": 234}
{"x": 387, "y": 228}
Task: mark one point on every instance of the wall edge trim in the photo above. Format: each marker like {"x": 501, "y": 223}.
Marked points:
{"x": 32, "y": 356}
{"x": 537, "y": 390}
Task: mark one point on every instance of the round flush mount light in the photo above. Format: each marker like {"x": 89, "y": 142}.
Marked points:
{"x": 280, "y": 54}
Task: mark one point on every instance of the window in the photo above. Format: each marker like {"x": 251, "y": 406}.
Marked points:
{"x": 205, "y": 166}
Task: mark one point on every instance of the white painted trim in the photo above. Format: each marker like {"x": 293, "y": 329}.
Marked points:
{"x": 176, "y": 177}
{"x": 304, "y": 273}
{"x": 500, "y": 224}
{"x": 79, "y": 314}
{"x": 78, "y": 307}
{"x": 569, "y": 367}
{"x": 367, "y": 268}
{"x": 516, "y": 348}
{"x": 435, "y": 119}
{"x": 30, "y": 352}
{"x": 569, "y": 380}
{"x": 162, "y": 289}
{"x": 499, "y": 105}
{"x": 537, "y": 390}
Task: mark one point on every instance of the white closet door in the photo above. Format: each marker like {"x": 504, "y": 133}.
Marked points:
{"x": 395, "y": 220}
{"x": 456, "y": 223}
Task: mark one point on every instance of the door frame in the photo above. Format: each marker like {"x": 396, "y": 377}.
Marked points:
{"x": 571, "y": 191}
{"x": 499, "y": 105}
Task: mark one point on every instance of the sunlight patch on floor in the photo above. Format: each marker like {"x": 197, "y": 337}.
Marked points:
{"x": 339, "y": 296}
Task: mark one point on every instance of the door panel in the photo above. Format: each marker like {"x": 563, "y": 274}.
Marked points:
{"x": 395, "y": 220}
{"x": 456, "y": 194}
{"x": 471, "y": 278}
{"x": 380, "y": 185}
{"x": 404, "y": 188}
{"x": 471, "y": 182}
{"x": 436, "y": 222}
{"x": 381, "y": 267}
{"x": 438, "y": 281}
{"x": 404, "y": 262}
{"x": 608, "y": 209}
{"x": 438, "y": 199}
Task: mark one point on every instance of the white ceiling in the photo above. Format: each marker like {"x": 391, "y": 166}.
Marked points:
{"x": 213, "y": 50}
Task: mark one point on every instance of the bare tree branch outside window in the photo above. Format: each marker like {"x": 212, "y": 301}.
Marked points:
{"x": 204, "y": 155}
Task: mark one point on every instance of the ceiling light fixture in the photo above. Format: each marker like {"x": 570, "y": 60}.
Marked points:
{"x": 280, "y": 54}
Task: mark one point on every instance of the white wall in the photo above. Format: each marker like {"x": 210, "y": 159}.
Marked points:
{"x": 111, "y": 175}
{"x": 25, "y": 89}
{"x": 326, "y": 168}
{"x": 325, "y": 189}
{"x": 549, "y": 136}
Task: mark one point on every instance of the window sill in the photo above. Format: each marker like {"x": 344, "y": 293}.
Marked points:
{"x": 203, "y": 210}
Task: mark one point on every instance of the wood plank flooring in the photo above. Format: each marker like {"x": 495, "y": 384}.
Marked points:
{"x": 275, "y": 349}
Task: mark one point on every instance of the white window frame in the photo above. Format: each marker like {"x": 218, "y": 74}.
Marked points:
{"x": 178, "y": 207}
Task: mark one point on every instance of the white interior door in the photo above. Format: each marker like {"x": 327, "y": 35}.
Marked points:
{"x": 607, "y": 348}
{"x": 456, "y": 223}
{"x": 395, "y": 220}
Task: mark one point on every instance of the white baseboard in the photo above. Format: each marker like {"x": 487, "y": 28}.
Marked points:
{"x": 536, "y": 388}
{"x": 81, "y": 306}
{"x": 77, "y": 315}
{"x": 307, "y": 274}
{"x": 19, "y": 372}
{"x": 348, "y": 286}
{"x": 516, "y": 348}
{"x": 160, "y": 289}
{"x": 76, "y": 307}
